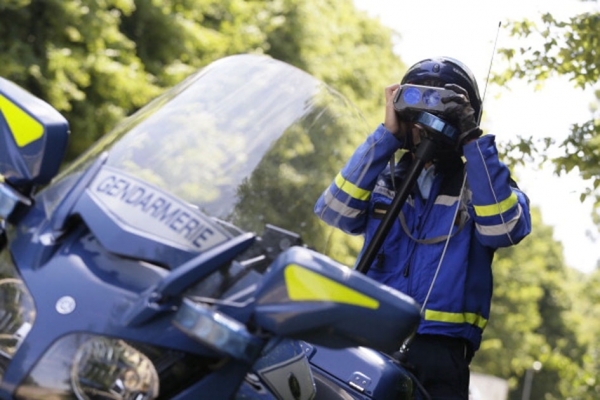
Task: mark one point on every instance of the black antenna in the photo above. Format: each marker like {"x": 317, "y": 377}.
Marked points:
{"x": 487, "y": 80}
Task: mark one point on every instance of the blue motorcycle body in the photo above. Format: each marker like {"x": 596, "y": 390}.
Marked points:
{"x": 137, "y": 272}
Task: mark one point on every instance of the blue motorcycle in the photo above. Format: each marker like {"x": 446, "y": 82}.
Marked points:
{"x": 137, "y": 273}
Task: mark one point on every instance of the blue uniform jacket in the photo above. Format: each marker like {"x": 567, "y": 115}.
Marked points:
{"x": 490, "y": 213}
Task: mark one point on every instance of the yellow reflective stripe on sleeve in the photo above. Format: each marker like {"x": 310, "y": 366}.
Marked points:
{"x": 24, "y": 128}
{"x": 351, "y": 189}
{"x": 305, "y": 285}
{"x": 496, "y": 209}
{"x": 456, "y": 318}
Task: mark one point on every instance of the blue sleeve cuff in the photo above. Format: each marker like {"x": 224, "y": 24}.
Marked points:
{"x": 387, "y": 138}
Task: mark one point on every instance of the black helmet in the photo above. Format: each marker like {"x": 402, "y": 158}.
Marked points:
{"x": 441, "y": 70}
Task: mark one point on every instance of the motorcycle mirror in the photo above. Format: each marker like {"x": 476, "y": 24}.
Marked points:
{"x": 33, "y": 137}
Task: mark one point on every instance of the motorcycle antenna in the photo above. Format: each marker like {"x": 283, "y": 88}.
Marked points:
{"x": 487, "y": 79}
{"x": 482, "y": 100}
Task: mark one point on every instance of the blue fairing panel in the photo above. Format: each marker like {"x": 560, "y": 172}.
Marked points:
{"x": 310, "y": 297}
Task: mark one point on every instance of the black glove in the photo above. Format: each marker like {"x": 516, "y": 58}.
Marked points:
{"x": 461, "y": 114}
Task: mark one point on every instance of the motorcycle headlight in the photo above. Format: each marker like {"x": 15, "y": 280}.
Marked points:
{"x": 17, "y": 311}
{"x": 91, "y": 367}
{"x": 111, "y": 369}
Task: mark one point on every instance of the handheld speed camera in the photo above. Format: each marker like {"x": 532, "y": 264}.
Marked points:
{"x": 423, "y": 104}
{"x": 414, "y": 98}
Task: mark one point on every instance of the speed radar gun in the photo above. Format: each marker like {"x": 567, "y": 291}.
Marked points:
{"x": 421, "y": 104}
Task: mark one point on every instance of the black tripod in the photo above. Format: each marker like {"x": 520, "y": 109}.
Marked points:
{"x": 424, "y": 153}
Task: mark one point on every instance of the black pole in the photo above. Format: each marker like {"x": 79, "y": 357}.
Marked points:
{"x": 423, "y": 154}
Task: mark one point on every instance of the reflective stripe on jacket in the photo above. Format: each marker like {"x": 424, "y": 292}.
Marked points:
{"x": 492, "y": 213}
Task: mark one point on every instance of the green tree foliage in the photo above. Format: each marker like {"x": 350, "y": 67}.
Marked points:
{"x": 532, "y": 318}
{"x": 73, "y": 55}
{"x": 584, "y": 381}
{"x": 98, "y": 61}
{"x": 567, "y": 48}
{"x": 341, "y": 46}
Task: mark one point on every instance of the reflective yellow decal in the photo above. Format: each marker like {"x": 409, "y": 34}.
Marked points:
{"x": 305, "y": 285}
{"x": 24, "y": 128}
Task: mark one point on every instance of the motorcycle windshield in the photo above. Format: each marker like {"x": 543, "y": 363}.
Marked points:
{"x": 248, "y": 140}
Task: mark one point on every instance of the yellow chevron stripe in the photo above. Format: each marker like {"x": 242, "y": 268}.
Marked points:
{"x": 24, "y": 128}
{"x": 305, "y": 285}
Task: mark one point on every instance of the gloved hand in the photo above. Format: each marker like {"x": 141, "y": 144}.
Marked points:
{"x": 461, "y": 114}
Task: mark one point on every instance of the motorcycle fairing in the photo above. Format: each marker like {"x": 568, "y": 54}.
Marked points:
{"x": 33, "y": 137}
{"x": 377, "y": 378}
{"x": 136, "y": 219}
{"x": 313, "y": 298}
{"x": 290, "y": 378}
{"x": 152, "y": 211}
{"x": 102, "y": 286}
{"x": 165, "y": 295}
